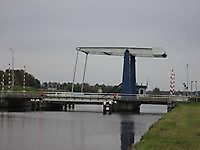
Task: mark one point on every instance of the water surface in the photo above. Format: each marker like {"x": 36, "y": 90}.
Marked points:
{"x": 84, "y": 129}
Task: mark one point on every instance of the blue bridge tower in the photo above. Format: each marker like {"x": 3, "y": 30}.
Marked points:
{"x": 129, "y": 74}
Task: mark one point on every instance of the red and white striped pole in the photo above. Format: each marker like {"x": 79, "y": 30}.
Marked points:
{"x": 2, "y": 82}
{"x": 24, "y": 80}
{"x": 9, "y": 79}
{"x": 172, "y": 83}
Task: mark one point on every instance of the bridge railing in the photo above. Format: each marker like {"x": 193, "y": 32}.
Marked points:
{"x": 163, "y": 97}
{"x": 79, "y": 95}
{"x": 109, "y": 96}
{"x": 116, "y": 96}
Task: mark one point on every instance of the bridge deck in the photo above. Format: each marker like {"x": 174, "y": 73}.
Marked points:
{"x": 99, "y": 98}
{"x": 66, "y": 100}
{"x": 93, "y": 98}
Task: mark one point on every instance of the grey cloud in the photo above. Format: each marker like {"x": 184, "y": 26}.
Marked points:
{"x": 46, "y": 30}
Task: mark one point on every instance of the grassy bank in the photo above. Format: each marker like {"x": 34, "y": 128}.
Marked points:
{"x": 177, "y": 130}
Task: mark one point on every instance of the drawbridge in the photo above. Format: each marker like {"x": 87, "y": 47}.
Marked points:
{"x": 126, "y": 100}
{"x": 129, "y": 67}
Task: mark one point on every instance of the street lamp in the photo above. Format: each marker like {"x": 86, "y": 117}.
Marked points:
{"x": 187, "y": 79}
{"x": 13, "y": 78}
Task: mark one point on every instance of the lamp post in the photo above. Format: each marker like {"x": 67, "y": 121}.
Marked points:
{"x": 13, "y": 78}
{"x": 187, "y": 79}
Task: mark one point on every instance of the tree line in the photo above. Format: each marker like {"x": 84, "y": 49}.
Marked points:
{"x": 30, "y": 80}
{"x": 97, "y": 88}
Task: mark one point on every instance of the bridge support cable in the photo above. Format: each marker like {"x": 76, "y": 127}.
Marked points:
{"x": 75, "y": 67}
{"x": 82, "y": 86}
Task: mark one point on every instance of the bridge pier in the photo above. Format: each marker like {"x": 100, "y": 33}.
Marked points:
{"x": 52, "y": 106}
{"x": 16, "y": 104}
{"x": 71, "y": 106}
{"x": 107, "y": 107}
{"x": 64, "y": 107}
{"x": 127, "y": 106}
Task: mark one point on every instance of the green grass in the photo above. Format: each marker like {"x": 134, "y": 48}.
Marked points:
{"x": 177, "y": 130}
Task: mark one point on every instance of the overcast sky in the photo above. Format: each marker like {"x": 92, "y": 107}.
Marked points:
{"x": 45, "y": 33}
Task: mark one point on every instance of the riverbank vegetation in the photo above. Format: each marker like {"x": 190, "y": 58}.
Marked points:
{"x": 101, "y": 88}
{"x": 33, "y": 84}
{"x": 178, "y": 130}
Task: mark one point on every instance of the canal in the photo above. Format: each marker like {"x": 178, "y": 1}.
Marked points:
{"x": 85, "y": 128}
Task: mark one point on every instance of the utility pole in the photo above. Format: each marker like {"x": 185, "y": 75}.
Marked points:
{"x": 13, "y": 76}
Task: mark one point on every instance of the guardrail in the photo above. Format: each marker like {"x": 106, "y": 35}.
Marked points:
{"x": 108, "y": 96}
{"x": 116, "y": 96}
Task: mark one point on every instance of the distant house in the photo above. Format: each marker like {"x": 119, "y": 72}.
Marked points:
{"x": 141, "y": 89}
{"x": 51, "y": 89}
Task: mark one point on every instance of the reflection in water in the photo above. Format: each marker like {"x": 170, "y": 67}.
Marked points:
{"x": 72, "y": 130}
{"x": 127, "y": 135}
